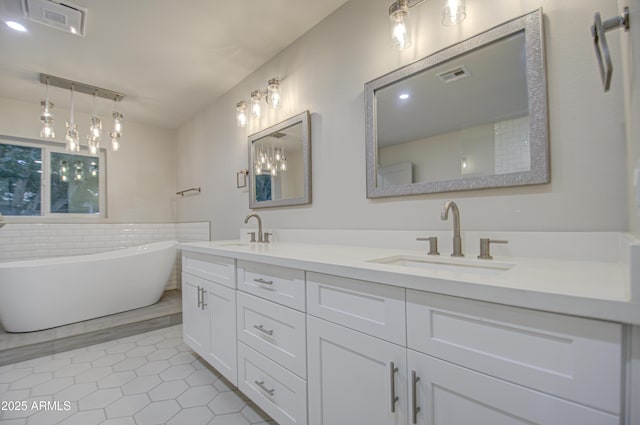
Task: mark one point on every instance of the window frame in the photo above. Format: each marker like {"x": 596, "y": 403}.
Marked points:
{"x": 47, "y": 148}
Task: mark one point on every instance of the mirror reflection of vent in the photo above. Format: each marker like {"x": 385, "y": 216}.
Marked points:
{"x": 278, "y": 135}
{"x": 454, "y": 74}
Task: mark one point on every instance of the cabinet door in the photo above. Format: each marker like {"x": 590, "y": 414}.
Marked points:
{"x": 354, "y": 378}
{"x": 448, "y": 394}
{"x": 195, "y": 318}
{"x": 222, "y": 354}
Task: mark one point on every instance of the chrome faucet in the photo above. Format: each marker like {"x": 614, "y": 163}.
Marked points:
{"x": 457, "y": 241}
{"x": 260, "y": 234}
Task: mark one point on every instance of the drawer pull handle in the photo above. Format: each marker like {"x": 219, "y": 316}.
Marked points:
{"x": 392, "y": 377}
{"x": 414, "y": 402}
{"x": 204, "y": 304}
{"x": 263, "y": 330}
{"x": 264, "y": 282}
{"x": 260, "y": 385}
{"x": 199, "y": 296}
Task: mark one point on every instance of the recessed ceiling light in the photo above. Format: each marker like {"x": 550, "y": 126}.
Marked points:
{"x": 16, "y": 26}
{"x": 404, "y": 96}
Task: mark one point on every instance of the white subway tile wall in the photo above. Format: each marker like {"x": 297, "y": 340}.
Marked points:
{"x": 511, "y": 145}
{"x": 46, "y": 240}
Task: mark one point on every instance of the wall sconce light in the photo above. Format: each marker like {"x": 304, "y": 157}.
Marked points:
{"x": 454, "y": 12}
{"x": 399, "y": 21}
{"x": 256, "y": 103}
{"x": 271, "y": 95}
{"x": 241, "y": 113}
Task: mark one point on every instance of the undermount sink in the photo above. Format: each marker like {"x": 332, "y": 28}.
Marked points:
{"x": 439, "y": 263}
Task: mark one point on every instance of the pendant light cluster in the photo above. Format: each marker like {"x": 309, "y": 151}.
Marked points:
{"x": 72, "y": 135}
{"x": 271, "y": 96}
{"x": 453, "y": 12}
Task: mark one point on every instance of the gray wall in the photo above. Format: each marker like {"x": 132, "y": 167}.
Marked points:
{"x": 324, "y": 71}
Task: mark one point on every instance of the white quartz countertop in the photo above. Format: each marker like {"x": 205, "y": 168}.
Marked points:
{"x": 599, "y": 290}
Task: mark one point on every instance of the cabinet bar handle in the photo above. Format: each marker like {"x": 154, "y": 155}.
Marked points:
{"x": 199, "y": 297}
{"x": 263, "y": 330}
{"x": 204, "y": 304}
{"x": 392, "y": 377}
{"x": 264, "y": 282}
{"x": 260, "y": 384}
{"x": 414, "y": 402}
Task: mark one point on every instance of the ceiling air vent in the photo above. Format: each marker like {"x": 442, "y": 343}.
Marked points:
{"x": 278, "y": 135}
{"x": 59, "y": 14}
{"x": 454, "y": 74}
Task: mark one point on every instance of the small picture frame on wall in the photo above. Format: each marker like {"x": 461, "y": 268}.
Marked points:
{"x": 241, "y": 178}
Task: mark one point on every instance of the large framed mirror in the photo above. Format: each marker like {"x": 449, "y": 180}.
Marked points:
{"x": 471, "y": 116}
{"x": 280, "y": 164}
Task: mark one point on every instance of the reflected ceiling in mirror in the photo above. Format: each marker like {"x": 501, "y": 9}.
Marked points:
{"x": 471, "y": 116}
{"x": 280, "y": 163}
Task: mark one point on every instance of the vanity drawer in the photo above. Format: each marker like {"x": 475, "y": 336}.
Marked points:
{"x": 280, "y": 393}
{"x": 211, "y": 267}
{"x": 372, "y": 308}
{"x": 573, "y": 358}
{"x": 277, "y": 332}
{"x": 274, "y": 283}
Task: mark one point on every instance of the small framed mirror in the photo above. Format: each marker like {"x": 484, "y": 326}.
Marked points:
{"x": 471, "y": 116}
{"x": 280, "y": 164}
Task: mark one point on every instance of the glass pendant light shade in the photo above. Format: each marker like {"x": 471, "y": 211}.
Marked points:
{"x": 46, "y": 118}
{"x": 256, "y": 104}
{"x": 95, "y": 128}
{"x": 115, "y": 141}
{"x": 47, "y": 131}
{"x": 398, "y": 19}
{"x": 117, "y": 123}
{"x": 72, "y": 136}
{"x": 273, "y": 93}
{"x": 454, "y": 12}
{"x": 93, "y": 146}
{"x": 241, "y": 113}
{"x": 283, "y": 162}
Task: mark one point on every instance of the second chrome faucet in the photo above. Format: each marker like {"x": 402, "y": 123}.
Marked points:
{"x": 262, "y": 237}
{"x": 457, "y": 241}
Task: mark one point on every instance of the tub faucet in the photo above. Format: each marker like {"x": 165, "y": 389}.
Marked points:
{"x": 260, "y": 234}
{"x": 457, "y": 241}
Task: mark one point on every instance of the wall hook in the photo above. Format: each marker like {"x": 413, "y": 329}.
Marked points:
{"x": 598, "y": 30}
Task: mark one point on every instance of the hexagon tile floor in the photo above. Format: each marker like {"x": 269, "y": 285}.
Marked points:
{"x": 151, "y": 378}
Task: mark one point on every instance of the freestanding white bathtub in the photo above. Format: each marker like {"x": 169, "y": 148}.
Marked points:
{"x": 41, "y": 294}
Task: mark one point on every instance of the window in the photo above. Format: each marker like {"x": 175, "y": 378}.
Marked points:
{"x": 41, "y": 179}
{"x": 20, "y": 180}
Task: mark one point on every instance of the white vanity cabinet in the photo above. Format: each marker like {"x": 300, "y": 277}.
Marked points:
{"x": 478, "y": 362}
{"x": 271, "y": 328}
{"x": 354, "y": 378}
{"x": 318, "y": 349}
{"x": 445, "y": 394}
{"x": 357, "y": 355}
{"x": 209, "y": 310}
{"x": 195, "y": 318}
